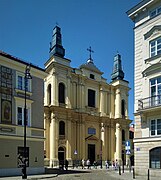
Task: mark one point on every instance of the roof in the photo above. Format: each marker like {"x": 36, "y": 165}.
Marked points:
{"x": 138, "y": 7}
{"x": 90, "y": 66}
{"x": 4, "y": 54}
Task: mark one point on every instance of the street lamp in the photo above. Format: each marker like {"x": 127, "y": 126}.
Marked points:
{"x": 27, "y": 76}
{"x": 102, "y": 130}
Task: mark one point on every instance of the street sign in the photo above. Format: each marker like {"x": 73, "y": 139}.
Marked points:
{"x": 127, "y": 145}
{"x": 75, "y": 152}
{"x": 128, "y": 152}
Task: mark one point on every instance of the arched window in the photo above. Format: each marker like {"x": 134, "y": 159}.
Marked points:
{"x": 123, "y": 108}
{"x": 61, "y": 93}
{"x": 49, "y": 94}
{"x": 155, "y": 158}
{"x": 61, "y": 128}
{"x": 91, "y": 98}
{"x": 123, "y": 135}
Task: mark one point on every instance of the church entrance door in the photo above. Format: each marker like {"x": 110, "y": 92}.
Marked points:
{"x": 61, "y": 155}
{"x": 91, "y": 152}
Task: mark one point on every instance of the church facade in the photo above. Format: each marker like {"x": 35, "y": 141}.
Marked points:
{"x": 85, "y": 117}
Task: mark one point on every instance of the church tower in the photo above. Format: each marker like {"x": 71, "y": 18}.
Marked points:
{"x": 56, "y": 47}
{"x": 117, "y": 69}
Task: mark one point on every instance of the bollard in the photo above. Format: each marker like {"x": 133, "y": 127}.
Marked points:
{"x": 133, "y": 173}
{"x": 148, "y": 175}
{"x": 130, "y": 168}
{"x": 119, "y": 170}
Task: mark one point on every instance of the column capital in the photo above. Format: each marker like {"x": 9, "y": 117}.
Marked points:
{"x": 118, "y": 126}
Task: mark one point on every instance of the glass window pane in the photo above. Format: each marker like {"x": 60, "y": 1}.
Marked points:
{"x": 20, "y": 82}
{"x": 159, "y": 41}
{"x": 159, "y": 51}
{"x": 159, "y": 10}
{"x": 19, "y": 114}
{"x": 153, "y": 91}
{"x": 153, "y": 13}
{"x": 159, "y": 80}
{"x": 152, "y": 81}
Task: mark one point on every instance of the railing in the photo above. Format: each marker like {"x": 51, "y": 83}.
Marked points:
{"x": 149, "y": 102}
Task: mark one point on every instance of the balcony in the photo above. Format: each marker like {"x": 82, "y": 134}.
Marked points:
{"x": 150, "y": 102}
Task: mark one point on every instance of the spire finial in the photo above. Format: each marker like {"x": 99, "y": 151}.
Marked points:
{"x": 90, "y": 51}
{"x": 57, "y": 24}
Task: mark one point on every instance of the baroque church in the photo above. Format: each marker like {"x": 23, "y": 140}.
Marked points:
{"x": 85, "y": 117}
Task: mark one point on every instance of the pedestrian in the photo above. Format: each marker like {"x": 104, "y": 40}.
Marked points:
{"x": 66, "y": 164}
{"x": 83, "y": 163}
{"x": 116, "y": 164}
{"x": 95, "y": 164}
{"x": 113, "y": 164}
{"x": 106, "y": 164}
{"x": 88, "y": 163}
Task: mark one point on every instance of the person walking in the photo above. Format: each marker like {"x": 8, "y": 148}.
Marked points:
{"x": 88, "y": 163}
{"x": 106, "y": 164}
{"x": 83, "y": 163}
{"x": 66, "y": 164}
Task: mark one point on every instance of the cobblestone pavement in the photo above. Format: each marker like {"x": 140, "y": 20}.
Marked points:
{"x": 85, "y": 174}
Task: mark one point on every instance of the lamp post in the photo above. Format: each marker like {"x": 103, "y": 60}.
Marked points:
{"x": 27, "y": 76}
{"x": 102, "y": 130}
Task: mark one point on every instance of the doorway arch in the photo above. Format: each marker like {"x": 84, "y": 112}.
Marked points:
{"x": 61, "y": 154}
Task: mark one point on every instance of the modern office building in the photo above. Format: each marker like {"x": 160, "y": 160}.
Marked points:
{"x": 85, "y": 117}
{"x": 12, "y": 114}
{"x": 147, "y": 142}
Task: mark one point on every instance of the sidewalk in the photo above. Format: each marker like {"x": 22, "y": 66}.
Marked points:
{"x": 31, "y": 177}
{"x": 129, "y": 176}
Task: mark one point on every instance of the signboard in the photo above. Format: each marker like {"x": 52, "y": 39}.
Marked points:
{"x": 127, "y": 145}
{"x": 128, "y": 152}
{"x": 75, "y": 152}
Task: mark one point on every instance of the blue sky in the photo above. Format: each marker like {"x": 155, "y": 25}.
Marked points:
{"x": 26, "y": 31}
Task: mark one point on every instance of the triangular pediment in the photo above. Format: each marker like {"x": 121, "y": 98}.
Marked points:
{"x": 91, "y": 67}
{"x": 92, "y": 137}
{"x": 153, "y": 31}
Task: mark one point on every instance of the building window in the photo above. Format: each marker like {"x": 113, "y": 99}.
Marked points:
{"x": 155, "y": 158}
{"x": 155, "y": 12}
{"x": 155, "y": 88}
{"x": 91, "y": 98}
{"x": 91, "y": 131}
{"x": 123, "y": 136}
{"x": 49, "y": 94}
{"x": 91, "y": 76}
{"x": 123, "y": 108}
{"x": 61, "y": 128}
{"x": 21, "y": 83}
{"x": 131, "y": 135}
{"x": 20, "y": 116}
{"x": 155, "y": 47}
{"x": 155, "y": 127}
{"x": 61, "y": 93}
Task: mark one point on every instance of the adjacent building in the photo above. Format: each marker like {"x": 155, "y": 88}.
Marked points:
{"x": 147, "y": 142}
{"x": 85, "y": 117}
{"x": 12, "y": 105}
